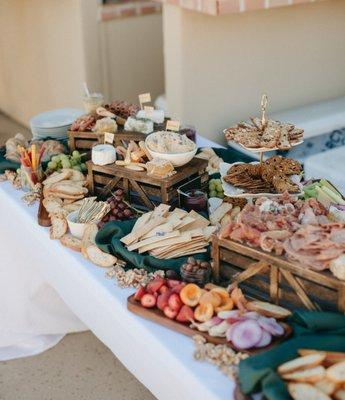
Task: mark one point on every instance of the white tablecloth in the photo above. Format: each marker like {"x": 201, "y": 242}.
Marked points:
{"x": 47, "y": 290}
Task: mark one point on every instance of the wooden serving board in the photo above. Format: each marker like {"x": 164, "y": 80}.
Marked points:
{"x": 156, "y": 315}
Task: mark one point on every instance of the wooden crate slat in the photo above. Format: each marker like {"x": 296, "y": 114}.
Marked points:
{"x": 284, "y": 283}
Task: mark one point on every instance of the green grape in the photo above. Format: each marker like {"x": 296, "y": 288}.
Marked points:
{"x": 220, "y": 195}
{"x": 63, "y": 157}
{"x": 83, "y": 167}
{"x": 76, "y": 154}
{"x": 73, "y": 162}
{"x": 212, "y": 186}
{"x": 52, "y": 165}
{"x": 77, "y": 168}
{"x": 219, "y": 187}
{"x": 66, "y": 164}
{"x": 213, "y": 193}
{"x": 55, "y": 158}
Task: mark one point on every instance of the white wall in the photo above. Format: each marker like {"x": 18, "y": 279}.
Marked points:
{"x": 217, "y": 67}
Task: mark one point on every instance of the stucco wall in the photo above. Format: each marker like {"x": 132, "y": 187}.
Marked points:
{"x": 217, "y": 67}
{"x": 47, "y": 48}
{"x": 41, "y": 58}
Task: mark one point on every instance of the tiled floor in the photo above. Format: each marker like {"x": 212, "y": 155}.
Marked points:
{"x": 80, "y": 367}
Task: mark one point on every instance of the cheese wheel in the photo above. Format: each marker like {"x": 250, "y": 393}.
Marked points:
{"x": 103, "y": 154}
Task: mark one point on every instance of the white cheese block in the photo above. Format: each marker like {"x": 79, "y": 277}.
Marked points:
{"x": 139, "y": 125}
{"x": 157, "y": 116}
{"x": 103, "y": 154}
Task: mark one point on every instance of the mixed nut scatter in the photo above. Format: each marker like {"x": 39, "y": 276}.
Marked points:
{"x": 225, "y": 358}
{"x": 132, "y": 277}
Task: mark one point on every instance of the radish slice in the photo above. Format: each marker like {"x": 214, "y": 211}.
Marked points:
{"x": 229, "y": 331}
{"x": 265, "y": 340}
{"x": 216, "y": 320}
{"x": 240, "y": 318}
{"x": 228, "y": 314}
{"x": 271, "y": 325}
{"x": 252, "y": 315}
{"x": 246, "y": 334}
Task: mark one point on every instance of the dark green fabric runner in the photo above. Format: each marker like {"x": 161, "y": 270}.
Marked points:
{"x": 312, "y": 330}
{"x": 108, "y": 239}
{"x": 6, "y": 164}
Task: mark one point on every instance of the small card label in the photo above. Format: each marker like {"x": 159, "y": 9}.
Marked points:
{"x": 109, "y": 137}
{"x": 144, "y": 98}
{"x": 148, "y": 111}
{"x": 173, "y": 125}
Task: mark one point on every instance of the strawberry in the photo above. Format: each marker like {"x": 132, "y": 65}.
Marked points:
{"x": 155, "y": 285}
{"x": 139, "y": 293}
{"x": 186, "y": 314}
{"x": 163, "y": 299}
{"x": 172, "y": 283}
{"x": 148, "y": 300}
{"x": 178, "y": 288}
{"x": 168, "y": 312}
{"x": 175, "y": 302}
{"x": 163, "y": 289}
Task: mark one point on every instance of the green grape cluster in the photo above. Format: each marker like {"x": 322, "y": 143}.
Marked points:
{"x": 215, "y": 188}
{"x": 67, "y": 161}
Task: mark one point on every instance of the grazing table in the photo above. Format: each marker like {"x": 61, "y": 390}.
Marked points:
{"x": 47, "y": 290}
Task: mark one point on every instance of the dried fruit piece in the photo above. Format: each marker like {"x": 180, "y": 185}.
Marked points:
{"x": 190, "y": 294}
{"x": 226, "y": 306}
{"x": 203, "y": 312}
{"x": 213, "y": 298}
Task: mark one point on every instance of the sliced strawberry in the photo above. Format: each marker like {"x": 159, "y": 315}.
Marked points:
{"x": 172, "y": 283}
{"x": 178, "y": 288}
{"x": 163, "y": 289}
{"x": 148, "y": 300}
{"x": 163, "y": 300}
{"x": 168, "y": 312}
{"x": 155, "y": 285}
{"x": 175, "y": 302}
{"x": 186, "y": 314}
{"x": 139, "y": 293}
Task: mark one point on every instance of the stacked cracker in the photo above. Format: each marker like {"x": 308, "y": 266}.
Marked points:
{"x": 63, "y": 193}
{"x": 316, "y": 375}
{"x": 167, "y": 235}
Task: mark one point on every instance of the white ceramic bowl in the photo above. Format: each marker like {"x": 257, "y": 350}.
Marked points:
{"x": 176, "y": 159}
{"x": 76, "y": 229}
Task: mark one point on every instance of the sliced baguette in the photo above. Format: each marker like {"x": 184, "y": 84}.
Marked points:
{"x": 52, "y": 205}
{"x": 309, "y": 375}
{"x": 304, "y": 391}
{"x": 336, "y": 372}
{"x": 57, "y": 177}
{"x": 75, "y": 175}
{"x": 332, "y": 357}
{"x": 98, "y": 257}
{"x": 327, "y": 386}
{"x": 59, "y": 227}
{"x": 71, "y": 242}
{"x": 268, "y": 309}
{"x": 310, "y": 361}
{"x": 339, "y": 394}
{"x": 88, "y": 238}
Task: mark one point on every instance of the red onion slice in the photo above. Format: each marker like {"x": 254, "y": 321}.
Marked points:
{"x": 246, "y": 334}
{"x": 228, "y": 314}
{"x": 271, "y": 325}
{"x": 229, "y": 331}
{"x": 265, "y": 340}
{"x": 252, "y": 315}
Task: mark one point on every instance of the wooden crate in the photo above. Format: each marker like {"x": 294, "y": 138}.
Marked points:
{"x": 141, "y": 189}
{"x": 273, "y": 278}
{"x": 84, "y": 141}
